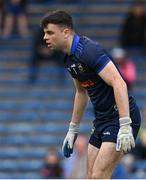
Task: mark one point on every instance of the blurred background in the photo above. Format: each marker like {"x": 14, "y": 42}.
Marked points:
{"x": 36, "y": 93}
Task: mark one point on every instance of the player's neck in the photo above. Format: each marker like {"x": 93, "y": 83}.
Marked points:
{"x": 67, "y": 49}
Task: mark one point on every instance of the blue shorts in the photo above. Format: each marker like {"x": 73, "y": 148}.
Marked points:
{"x": 106, "y": 131}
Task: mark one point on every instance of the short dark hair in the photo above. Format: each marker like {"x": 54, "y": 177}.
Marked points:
{"x": 57, "y": 17}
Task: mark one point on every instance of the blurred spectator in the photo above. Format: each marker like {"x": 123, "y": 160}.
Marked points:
{"x": 1, "y": 14}
{"x": 144, "y": 115}
{"x": 140, "y": 154}
{"x": 15, "y": 14}
{"x": 41, "y": 52}
{"x": 119, "y": 172}
{"x": 52, "y": 166}
{"x": 125, "y": 167}
{"x": 140, "y": 151}
{"x": 75, "y": 167}
{"x": 128, "y": 160}
{"x": 125, "y": 65}
{"x": 133, "y": 33}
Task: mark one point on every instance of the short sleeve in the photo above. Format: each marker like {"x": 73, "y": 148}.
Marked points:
{"x": 95, "y": 56}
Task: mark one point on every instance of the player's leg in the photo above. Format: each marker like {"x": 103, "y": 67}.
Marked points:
{"x": 93, "y": 150}
{"x": 92, "y": 155}
{"x": 105, "y": 161}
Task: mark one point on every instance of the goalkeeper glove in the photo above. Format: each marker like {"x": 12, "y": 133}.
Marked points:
{"x": 125, "y": 139}
{"x": 70, "y": 139}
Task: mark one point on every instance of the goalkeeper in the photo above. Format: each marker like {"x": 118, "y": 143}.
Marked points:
{"x": 117, "y": 117}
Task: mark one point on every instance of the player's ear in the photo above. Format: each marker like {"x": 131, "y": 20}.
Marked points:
{"x": 66, "y": 32}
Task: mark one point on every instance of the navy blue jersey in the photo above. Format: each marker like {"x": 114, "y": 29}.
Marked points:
{"x": 86, "y": 60}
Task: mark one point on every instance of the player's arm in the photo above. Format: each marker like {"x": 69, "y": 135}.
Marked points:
{"x": 80, "y": 103}
{"x": 112, "y": 77}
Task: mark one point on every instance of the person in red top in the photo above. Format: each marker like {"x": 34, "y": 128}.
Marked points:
{"x": 126, "y": 66}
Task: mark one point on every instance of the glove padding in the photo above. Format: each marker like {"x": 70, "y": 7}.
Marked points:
{"x": 70, "y": 139}
{"x": 125, "y": 139}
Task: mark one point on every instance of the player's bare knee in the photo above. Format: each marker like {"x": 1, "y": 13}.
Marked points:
{"x": 98, "y": 173}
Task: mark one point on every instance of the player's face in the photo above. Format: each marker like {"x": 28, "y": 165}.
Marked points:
{"x": 55, "y": 37}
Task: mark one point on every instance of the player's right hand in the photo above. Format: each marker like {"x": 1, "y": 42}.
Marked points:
{"x": 70, "y": 139}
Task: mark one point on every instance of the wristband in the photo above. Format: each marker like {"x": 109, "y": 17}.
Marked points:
{"x": 125, "y": 121}
{"x": 74, "y": 127}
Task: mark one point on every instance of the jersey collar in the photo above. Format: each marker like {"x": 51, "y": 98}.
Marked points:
{"x": 74, "y": 43}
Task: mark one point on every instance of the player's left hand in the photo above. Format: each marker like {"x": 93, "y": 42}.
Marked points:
{"x": 70, "y": 139}
{"x": 125, "y": 139}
